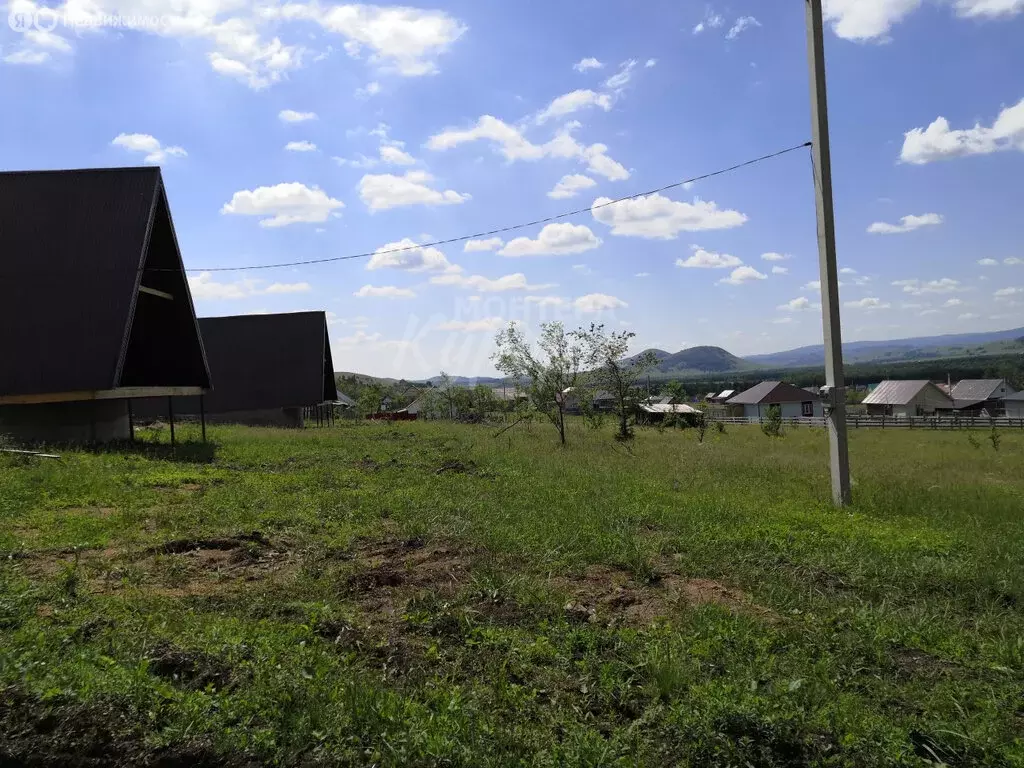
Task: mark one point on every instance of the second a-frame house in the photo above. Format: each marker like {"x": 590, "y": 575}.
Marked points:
{"x": 95, "y": 307}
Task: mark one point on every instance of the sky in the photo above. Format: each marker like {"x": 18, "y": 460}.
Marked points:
{"x": 305, "y": 130}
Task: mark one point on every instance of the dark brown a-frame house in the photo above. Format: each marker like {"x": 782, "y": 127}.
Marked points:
{"x": 95, "y": 308}
{"x": 267, "y": 369}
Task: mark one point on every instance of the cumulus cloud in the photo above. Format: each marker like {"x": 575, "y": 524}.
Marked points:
{"x": 863, "y": 20}
{"x": 777, "y": 270}
{"x": 742, "y": 23}
{"x": 283, "y": 204}
{"x": 366, "y": 91}
{"x": 384, "y": 292}
{"x": 650, "y": 63}
{"x": 512, "y": 145}
{"x": 588, "y": 63}
{"x": 291, "y": 116}
{"x": 574, "y": 101}
{"x": 711, "y": 21}
{"x": 393, "y": 154}
{"x": 1003, "y": 293}
{"x": 988, "y": 262}
{"x": 658, "y": 217}
{"x": 472, "y": 326}
{"x": 701, "y": 259}
{"x": 570, "y": 185}
{"x": 972, "y": 9}
{"x": 406, "y": 254}
{"x": 206, "y": 287}
{"x": 907, "y": 224}
{"x": 742, "y": 275}
{"x": 598, "y": 302}
{"x": 776, "y": 256}
{"x": 642, "y": 274}
{"x": 870, "y": 302}
{"x": 513, "y": 282}
{"x": 917, "y": 287}
{"x": 799, "y": 304}
{"x": 940, "y": 142}
{"x": 300, "y": 146}
{"x": 554, "y": 240}
{"x": 383, "y": 191}
{"x": 142, "y": 142}
{"x": 477, "y": 246}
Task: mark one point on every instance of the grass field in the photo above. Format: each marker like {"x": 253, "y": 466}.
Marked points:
{"x": 427, "y": 594}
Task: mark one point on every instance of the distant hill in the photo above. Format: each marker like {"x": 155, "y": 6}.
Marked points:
{"x": 921, "y": 348}
{"x": 696, "y": 360}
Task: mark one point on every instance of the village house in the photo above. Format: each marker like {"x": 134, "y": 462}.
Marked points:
{"x": 905, "y": 399}
{"x": 793, "y": 402}
{"x": 980, "y": 397}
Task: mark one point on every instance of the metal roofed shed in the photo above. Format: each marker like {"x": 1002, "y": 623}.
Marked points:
{"x": 793, "y": 402}
{"x": 653, "y": 413}
{"x": 974, "y": 396}
{"x": 94, "y": 305}
{"x": 903, "y": 399}
{"x": 1014, "y": 405}
{"x": 265, "y": 369}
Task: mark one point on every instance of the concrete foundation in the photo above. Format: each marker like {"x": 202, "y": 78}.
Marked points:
{"x": 91, "y": 421}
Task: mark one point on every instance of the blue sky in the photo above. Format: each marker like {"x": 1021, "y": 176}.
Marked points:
{"x": 302, "y": 130}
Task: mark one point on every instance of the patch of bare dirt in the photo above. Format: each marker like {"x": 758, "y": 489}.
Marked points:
{"x": 396, "y": 568}
{"x": 100, "y": 512}
{"x": 611, "y": 596}
{"x": 194, "y": 670}
{"x": 917, "y": 663}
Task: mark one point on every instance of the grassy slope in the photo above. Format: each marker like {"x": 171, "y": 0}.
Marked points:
{"x": 895, "y": 633}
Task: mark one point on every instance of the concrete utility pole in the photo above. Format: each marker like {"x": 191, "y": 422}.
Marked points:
{"x": 835, "y": 401}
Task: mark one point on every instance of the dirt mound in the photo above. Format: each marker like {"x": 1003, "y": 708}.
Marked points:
{"x": 411, "y": 564}
{"x": 194, "y": 670}
{"x": 607, "y": 595}
{"x": 179, "y": 546}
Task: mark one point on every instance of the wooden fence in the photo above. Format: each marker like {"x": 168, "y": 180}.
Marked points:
{"x": 860, "y": 421}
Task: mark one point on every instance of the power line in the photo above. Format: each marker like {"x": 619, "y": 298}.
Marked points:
{"x": 511, "y": 227}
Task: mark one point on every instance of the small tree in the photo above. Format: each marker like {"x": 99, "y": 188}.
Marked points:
{"x": 446, "y": 387}
{"x": 676, "y": 391}
{"x": 612, "y": 371}
{"x": 546, "y": 374}
{"x": 772, "y": 425}
{"x": 370, "y": 399}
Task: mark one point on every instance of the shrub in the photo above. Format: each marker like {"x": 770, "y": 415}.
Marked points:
{"x": 772, "y": 425}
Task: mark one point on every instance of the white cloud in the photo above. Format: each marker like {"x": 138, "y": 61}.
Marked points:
{"x": 742, "y": 275}
{"x": 782, "y": 320}
{"x": 300, "y": 146}
{"x": 863, "y": 20}
{"x": 799, "y": 304}
{"x": 384, "y": 191}
{"x": 545, "y": 301}
{"x": 622, "y": 77}
{"x": 642, "y": 274}
{"x": 988, "y": 262}
{"x": 569, "y": 185}
{"x": 408, "y": 255}
{"x": 925, "y": 312}
{"x": 776, "y": 256}
{"x": 907, "y": 224}
{"x": 939, "y": 142}
{"x": 598, "y": 302}
{"x": 658, "y": 217}
{"x": 368, "y": 90}
{"x": 393, "y": 154}
{"x": 27, "y": 56}
{"x": 813, "y": 285}
{"x": 143, "y": 142}
{"x": 399, "y": 38}
{"x": 742, "y": 23}
{"x": 554, "y": 240}
{"x": 988, "y": 8}
{"x": 917, "y": 287}
{"x": 514, "y": 146}
{"x": 574, "y": 101}
{"x": 711, "y": 21}
{"x": 847, "y": 271}
{"x": 588, "y": 63}
{"x": 205, "y": 287}
{"x": 513, "y": 282}
{"x": 283, "y": 204}
{"x": 291, "y": 116}
{"x": 650, "y": 63}
{"x": 384, "y": 292}
{"x": 953, "y": 303}
{"x": 702, "y": 259}
{"x": 1012, "y": 261}
{"x": 777, "y": 270}
{"x": 870, "y": 302}
{"x": 472, "y": 326}
{"x": 1002, "y": 293}
{"x": 476, "y": 246}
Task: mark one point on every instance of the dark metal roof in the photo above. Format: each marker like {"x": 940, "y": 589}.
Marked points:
{"x": 976, "y": 389}
{"x": 770, "y": 393}
{"x": 73, "y": 245}
{"x": 268, "y": 361}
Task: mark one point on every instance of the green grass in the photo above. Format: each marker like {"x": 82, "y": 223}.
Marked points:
{"x": 427, "y": 594}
